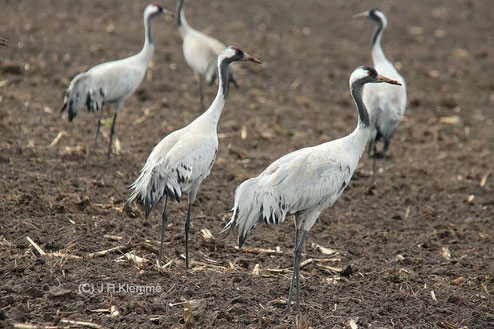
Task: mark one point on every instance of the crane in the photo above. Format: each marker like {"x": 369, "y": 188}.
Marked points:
{"x": 200, "y": 53}
{"x": 305, "y": 182}
{"x": 4, "y": 42}
{"x": 111, "y": 82}
{"x": 386, "y": 104}
{"x": 183, "y": 159}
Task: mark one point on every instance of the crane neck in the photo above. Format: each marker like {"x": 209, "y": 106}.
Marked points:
{"x": 216, "y": 107}
{"x": 363, "y": 115}
{"x": 376, "y": 49}
{"x": 183, "y": 26}
{"x": 147, "y": 50}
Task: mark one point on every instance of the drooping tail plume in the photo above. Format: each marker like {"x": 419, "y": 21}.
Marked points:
{"x": 79, "y": 93}
{"x": 151, "y": 185}
{"x": 255, "y": 203}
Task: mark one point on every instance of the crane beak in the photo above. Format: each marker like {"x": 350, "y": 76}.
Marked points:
{"x": 169, "y": 13}
{"x": 364, "y": 14}
{"x": 253, "y": 59}
{"x": 248, "y": 57}
{"x": 381, "y": 78}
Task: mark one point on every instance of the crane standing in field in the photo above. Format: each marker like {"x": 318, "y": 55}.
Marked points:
{"x": 200, "y": 53}
{"x": 181, "y": 160}
{"x": 305, "y": 182}
{"x": 111, "y": 82}
{"x": 385, "y": 103}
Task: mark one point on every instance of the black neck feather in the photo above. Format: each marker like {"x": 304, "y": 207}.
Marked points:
{"x": 149, "y": 29}
{"x": 223, "y": 76}
{"x": 362, "y": 111}
{"x": 377, "y": 31}
{"x": 179, "y": 12}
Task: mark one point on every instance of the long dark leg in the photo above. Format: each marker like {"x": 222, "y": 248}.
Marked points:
{"x": 112, "y": 131}
{"x": 369, "y": 148}
{"x": 97, "y": 130}
{"x": 187, "y": 226}
{"x": 297, "y": 233}
{"x": 232, "y": 80}
{"x": 164, "y": 219}
{"x": 201, "y": 91}
{"x": 296, "y": 264}
{"x": 374, "y": 156}
{"x": 292, "y": 281}
{"x": 299, "y": 253}
{"x": 385, "y": 150}
{"x": 231, "y": 77}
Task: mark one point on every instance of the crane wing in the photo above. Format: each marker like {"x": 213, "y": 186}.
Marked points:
{"x": 175, "y": 165}
{"x": 305, "y": 180}
{"x": 310, "y": 180}
{"x": 191, "y": 159}
{"x": 118, "y": 78}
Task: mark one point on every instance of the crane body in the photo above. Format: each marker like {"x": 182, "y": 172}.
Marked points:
{"x": 184, "y": 158}
{"x": 200, "y": 53}
{"x": 111, "y": 82}
{"x": 386, "y": 104}
{"x": 305, "y": 182}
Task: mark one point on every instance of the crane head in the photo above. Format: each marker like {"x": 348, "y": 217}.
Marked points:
{"x": 154, "y": 10}
{"x": 237, "y": 54}
{"x": 366, "y": 74}
{"x": 374, "y": 14}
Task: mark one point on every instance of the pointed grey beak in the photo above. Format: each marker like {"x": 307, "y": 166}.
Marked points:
{"x": 363, "y": 14}
{"x": 248, "y": 57}
{"x": 169, "y": 13}
{"x": 253, "y": 59}
{"x": 381, "y": 78}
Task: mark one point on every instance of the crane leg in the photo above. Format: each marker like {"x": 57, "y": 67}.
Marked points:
{"x": 231, "y": 78}
{"x": 295, "y": 276}
{"x": 187, "y": 226}
{"x": 112, "y": 131}
{"x": 385, "y": 150}
{"x": 374, "y": 156}
{"x": 235, "y": 83}
{"x": 100, "y": 114}
{"x": 292, "y": 281}
{"x": 201, "y": 91}
{"x": 164, "y": 219}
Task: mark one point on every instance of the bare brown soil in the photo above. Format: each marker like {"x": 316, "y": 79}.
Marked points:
{"x": 418, "y": 248}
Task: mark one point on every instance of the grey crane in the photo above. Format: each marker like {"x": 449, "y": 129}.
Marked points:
{"x": 386, "y": 104}
{"x": 111, "y": 82}
{"x": 200, "y": 53}
{"x": 183, "y": 159}
{"x": 305, "y": 182}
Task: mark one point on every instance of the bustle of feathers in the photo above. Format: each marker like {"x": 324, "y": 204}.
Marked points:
{"x": 79, "y": 94}
{"x": 152, "y": 183}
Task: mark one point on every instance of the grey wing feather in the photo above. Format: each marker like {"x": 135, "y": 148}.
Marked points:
{"x": 302, "y": 182}
{"x": 149, "y": 187}
{"x": 173, "y": 167}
